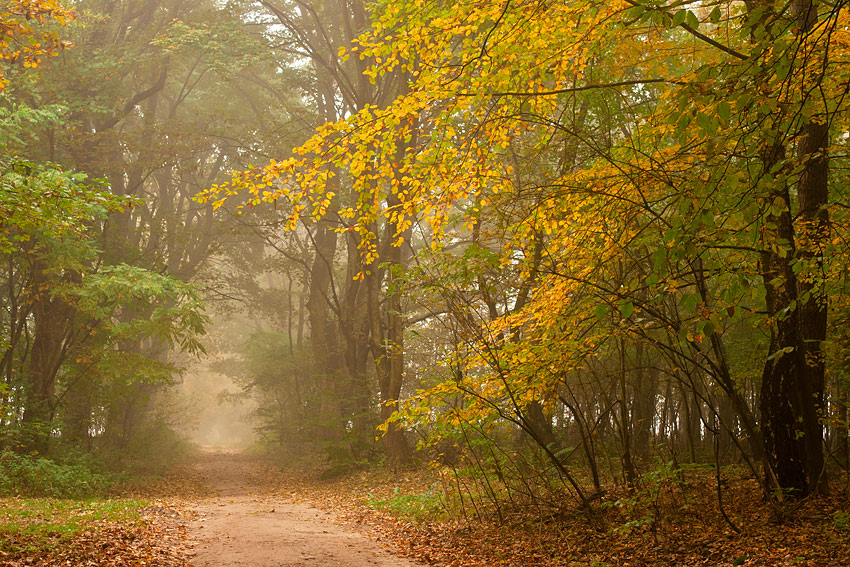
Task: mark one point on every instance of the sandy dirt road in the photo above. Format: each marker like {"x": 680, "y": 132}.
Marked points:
{"x": 251, "y": 521}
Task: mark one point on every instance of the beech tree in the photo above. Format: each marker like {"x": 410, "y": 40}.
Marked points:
{"x": 684, "y": 191}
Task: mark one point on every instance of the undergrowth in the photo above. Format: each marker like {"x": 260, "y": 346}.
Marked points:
{"x": 34, "y": 476}
{"x": 416, "y": 506}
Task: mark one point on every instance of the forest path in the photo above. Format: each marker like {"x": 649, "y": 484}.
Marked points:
{"x": 250, "y": 520}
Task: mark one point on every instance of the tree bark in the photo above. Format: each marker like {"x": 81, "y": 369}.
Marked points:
{"x": 813, "y": 196}
{"x": 322, "y": 333}
{"x": 52, "y": 321}
{"x": 782, "y": 397}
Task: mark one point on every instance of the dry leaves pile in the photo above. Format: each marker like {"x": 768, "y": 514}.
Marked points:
{"x": 182, "y": 482}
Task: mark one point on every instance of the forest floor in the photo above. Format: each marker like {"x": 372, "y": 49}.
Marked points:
{"x": 671, "y": 520}
{"x": 224, "y": 509}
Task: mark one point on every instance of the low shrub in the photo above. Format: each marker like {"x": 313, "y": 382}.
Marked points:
{"x": 34, "y": 476}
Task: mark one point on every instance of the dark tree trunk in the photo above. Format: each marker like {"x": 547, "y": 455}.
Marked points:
{"x": 77, "y": 413}
{"x": 354, "y": 327}
{"x": 782, "y": 396}
{"x": 323, "y": 334}
{"x": 646, "y": 382}
{"x": 792, "y": 389}
{"x": 52, "y": 320}
{"x": 388, "y": 347}
{"x": 691, "y": 418}
{"x": 541, "y": 425}
{"x": 813, "y": 195}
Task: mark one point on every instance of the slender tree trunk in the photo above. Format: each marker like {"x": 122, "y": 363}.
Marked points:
{"x": 691, "y": 426}
{"x": 625, "y": 423}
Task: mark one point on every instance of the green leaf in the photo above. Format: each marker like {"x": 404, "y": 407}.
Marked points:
{"x": 689, "y": 302}
{"x": 780, "y": 352}
{"x": 715, "y": 14}
{"x": 707, "y": 123}
{"x": 683, "y": 122}
{"x": 659, "y": 260}
{"x": 601, "y": 311}
{"x": 626, "y": 308}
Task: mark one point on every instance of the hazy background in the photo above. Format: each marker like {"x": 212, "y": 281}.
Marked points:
{"x": 221, "y": 410}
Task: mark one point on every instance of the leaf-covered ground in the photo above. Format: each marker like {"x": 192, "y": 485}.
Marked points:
{"x": 677, "y": 524}
{"x": 142, "y": 525}
{"x": 50, "y": 533}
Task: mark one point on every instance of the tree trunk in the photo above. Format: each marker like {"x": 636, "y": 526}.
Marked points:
{"x": 388, "y": 340}
{"x": 322, "y": 333}
{"x": 52, "y": 319}
{"x": 646, "y": 382}
{"x": 813, "y": 195}
{"x": 792, "y": 389}
{"x": 782, "y": 396}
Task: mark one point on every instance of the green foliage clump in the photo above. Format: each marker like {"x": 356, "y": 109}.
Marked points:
{"x": 841, "y": 521}
{"x": 279, "y": 377}
{"x": 32, "y": 476}
{"x": 418, "y": 506}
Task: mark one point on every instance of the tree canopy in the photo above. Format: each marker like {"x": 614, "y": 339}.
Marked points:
{"x": 654, "y": 177}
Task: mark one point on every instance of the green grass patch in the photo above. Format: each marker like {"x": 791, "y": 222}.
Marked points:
{"x": 30, "y": 525}
{"x": 417, "y": 506}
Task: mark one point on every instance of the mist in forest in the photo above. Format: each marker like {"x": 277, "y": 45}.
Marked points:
{"x": 531, "y": 249}
{"x": 221, "y": 419}
{"x": 214, "y": 387}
